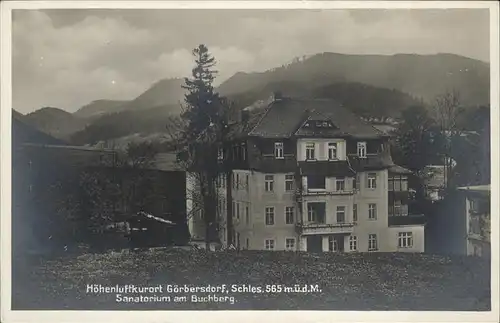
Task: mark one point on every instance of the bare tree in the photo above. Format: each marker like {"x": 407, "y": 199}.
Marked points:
{"x": 447, "y": 111}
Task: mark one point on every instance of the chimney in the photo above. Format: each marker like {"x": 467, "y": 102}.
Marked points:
{"x": 234, "y": 115}
{"x": 277, "y": 96}
{"x": 245, "y": 114}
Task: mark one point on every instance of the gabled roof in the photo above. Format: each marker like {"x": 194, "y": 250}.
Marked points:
{"x": 284, "y": 117}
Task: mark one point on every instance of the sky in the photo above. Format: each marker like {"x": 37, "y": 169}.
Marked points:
{"x": 66, "y": 58}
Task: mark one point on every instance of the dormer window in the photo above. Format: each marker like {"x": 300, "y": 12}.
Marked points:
{"x": 278, "y": 150}
{"x": 332, "y": 150}
{"x": 323, "y": 124}
{"x": 220, "y": 153}
{"x": 318, "y": 124}
{"x": 362, "y": 149}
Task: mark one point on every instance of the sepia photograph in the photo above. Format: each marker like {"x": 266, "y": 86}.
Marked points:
{"x": 249, "y": 159}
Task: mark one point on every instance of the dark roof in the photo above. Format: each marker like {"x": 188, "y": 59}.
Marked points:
{"x": 396, "y": 169}
{"x": 251, "y": 117}
{"x": 282, "y": 119}
{"x": 371, "y": 162}
{"x": 326, "y": 168}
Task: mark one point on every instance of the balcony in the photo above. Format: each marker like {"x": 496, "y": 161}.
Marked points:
{"x": 324, "y": 228}
{"x": 313, "y": 192}
{"x": 411, "y": 219}
{"x": 327, "y": 168}
{"x": 403, "y": 196}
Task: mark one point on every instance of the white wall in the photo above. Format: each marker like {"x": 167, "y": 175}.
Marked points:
{"x": 257, "y": 200}
{"x": 418, "y": 233}
{"x": 362, "y": 199}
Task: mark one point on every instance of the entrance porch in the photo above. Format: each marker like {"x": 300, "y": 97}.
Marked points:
{"x": 325, "y": 243}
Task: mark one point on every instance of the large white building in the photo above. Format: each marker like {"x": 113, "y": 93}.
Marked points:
{"x": 309, "y": 175}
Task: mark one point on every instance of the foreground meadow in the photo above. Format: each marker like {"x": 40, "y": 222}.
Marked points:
{"x": 350, "y": 281}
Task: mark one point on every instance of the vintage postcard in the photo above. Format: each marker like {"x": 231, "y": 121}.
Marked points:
{"x": 222, "y": 160}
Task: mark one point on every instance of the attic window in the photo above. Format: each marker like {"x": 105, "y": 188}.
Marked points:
{"x": 323, "y": 124}
{"x": 318, "y": 124}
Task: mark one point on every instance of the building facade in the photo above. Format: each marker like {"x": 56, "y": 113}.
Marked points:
{"x": 308, "y": 175}
{"x": 477, "y": 220}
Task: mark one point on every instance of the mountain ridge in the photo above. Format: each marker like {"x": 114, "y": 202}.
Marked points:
{"x": 424, "y": 76}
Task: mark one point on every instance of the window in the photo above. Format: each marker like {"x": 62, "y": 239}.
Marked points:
{"x": 248, "y": 243}
{"x": 269, "y": 244}
{"x": 353, "y": 243}
{"x": 237, "y": 181}
{"x": 340, "y": 214}
{"x": 404, "y": 184}
{"x": 396, "y": 208}
{"x": 355, "y": 213}
{"x": 372, "y": 180}
{"x": 270, "y": 215}
{"x": 397, "y": 184}
{"x": 289, "y": 214}
{"x": 247, "y": 215}
{"x": 316, "y": 212}
{"x": 355, "y": 182}
{"x": 372, "y": 242}
{"x": 340, "y": 184}
{"x": 278, "y": 150}
{"x": 223, "y": 181}
{"x": 244, "y": 152}
{"x": 332, "y": 151}
{"x": 290, "y": 243}
{"x": 269, "y": 183}
{"x": 237, "y": 210}
{"x": 405, "y": 240}
{"x": 362, "y": 149}
{"x": 235, "y": 153}
{"x": 288, "y": 183}
{"x": 372, "y": 211}
{"x": 234, "y": 180}
{"x": 220, "y": 153}
{"x": 310, "y": 151}
{"x": 391, "y": 184}
{"x": 311, "y": 213}
{"x": 333, "y": 244}
{"x": 316, "y": 182}
{"x": 247, "y": 185}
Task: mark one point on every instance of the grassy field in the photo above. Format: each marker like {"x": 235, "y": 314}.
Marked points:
{"x": 351, "y": 281}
